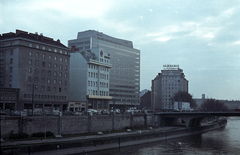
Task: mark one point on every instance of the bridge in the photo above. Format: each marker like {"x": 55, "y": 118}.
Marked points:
{"x": 188, "y": 119}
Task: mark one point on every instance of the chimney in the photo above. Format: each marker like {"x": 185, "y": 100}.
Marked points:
{"x": 58, "y": 41}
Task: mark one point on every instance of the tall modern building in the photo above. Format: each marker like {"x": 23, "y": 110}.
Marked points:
{"x": 165, "y": 85}
{"x": 89, "y": 79}
{"x": 34, "y": 69}
{"x": 124, "y": 84}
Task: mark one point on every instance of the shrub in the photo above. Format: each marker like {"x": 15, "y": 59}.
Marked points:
{"x": 20, "y": 135}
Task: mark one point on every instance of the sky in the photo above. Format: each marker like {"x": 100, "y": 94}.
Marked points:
{"x": 201, "y": 36}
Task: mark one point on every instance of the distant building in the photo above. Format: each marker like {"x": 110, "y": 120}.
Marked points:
{"x": 37, "y": 67}
{"x": 165, "y": 85}
{"x": 145, "y": 101}
{"x": 200, "y": 101}
{"x": 124, "y": 84}
{"x": 89, "y": 79}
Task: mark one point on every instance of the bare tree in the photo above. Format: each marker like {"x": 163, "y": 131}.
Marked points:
{"x": 213, "y": 105}
{"x": 184, "y": 96}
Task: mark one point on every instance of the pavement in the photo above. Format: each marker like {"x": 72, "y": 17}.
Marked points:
{"x": 78, "y": 150}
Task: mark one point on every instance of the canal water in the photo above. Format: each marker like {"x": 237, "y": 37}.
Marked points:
{"x": 225, "y": 141}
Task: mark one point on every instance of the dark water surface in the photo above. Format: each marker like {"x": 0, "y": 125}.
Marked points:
{"x": 224, "y": 141}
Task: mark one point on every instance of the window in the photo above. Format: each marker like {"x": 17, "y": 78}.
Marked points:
{"x": 37, "y": 46}
{"x": 43, "y": 64}
{"x": 54, "y": 73}
{"x": 65, "y": 68}
{"x": 29, "y": 70}
{"x": 43, "y": 47}
{"x": 60, "y": 82}
{"x": 65, "y": 82}
{"x": 49, "y": 65}
{"x": 66, "y": 60}
{"x": 54, "y": 81}
{"x": 49, "y": 81}
{"x": 36, "y": 79}
{"x": 49, "y": 73}
{"x": 11, "y": 61}
{"x": 11, "y": 52}
{"x": 37, "y": 63}
{"x": 30, "y": 62}
{"x": 42, "y": 80}
{"x": 29, "y": 87}
{"x": 60, "y": 74}
{"x": 29, "y": 79}
{"x": 60, "y": 59}
{"x": 36, "y": 71}
{"x": 49, "y": 57}
{"x": 55, "y": 50}
{"x": 30, "y": 45}
{"x": 60, "y": 89}
{"x": 43, "y": 72}
{"x": 65, "y": 75}
{"x": 42, "y": 88}
{"x": 60, "y": 51}
{"x": 43, "y": 56}
{"x": 55, "y": 65}
{"x": 60, "y": 67}
{"x": 55, "y": 58}
{"x": 48, "y": 89}
{"x": 10, "y": 78}
{"x": 30, "y": 53}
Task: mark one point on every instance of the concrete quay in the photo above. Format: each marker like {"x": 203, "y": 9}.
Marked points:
{"x": 94, "y": 143}
{"x": 21, "y": 147}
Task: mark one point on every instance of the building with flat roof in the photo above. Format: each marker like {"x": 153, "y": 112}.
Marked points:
{"x": 124, "y": 76}
{"x": 36, "y": 66}
{"x": 89, "y": 76}
{"x": 165, "y": 85}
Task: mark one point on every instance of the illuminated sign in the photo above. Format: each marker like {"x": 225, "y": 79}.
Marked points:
{"x": 170, "y": 67}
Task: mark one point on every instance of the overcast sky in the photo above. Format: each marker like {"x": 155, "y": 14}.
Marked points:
{"x": 201, "y": 36}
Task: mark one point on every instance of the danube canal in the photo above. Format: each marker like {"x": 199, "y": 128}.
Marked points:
{"x": 219, "y": 142}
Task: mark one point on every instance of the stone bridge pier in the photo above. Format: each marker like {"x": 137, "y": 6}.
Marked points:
{"x": 188, "y": 121}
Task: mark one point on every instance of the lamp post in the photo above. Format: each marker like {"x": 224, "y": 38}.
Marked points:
{"x": 32, "y": 97}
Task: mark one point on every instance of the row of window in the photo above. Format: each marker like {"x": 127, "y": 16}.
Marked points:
{"x": 92, "y": 66}
{"x": 48, "y": 89}
{"x": 46, "y": 97}
{"x": 43, "y": 72}
{"x": 8, "y": 96}
{"x": 49, "y": 57}
{"x": 95, "y": 92}
{"x": 49, "y": 81}
{"x": 49, "y": 49}
{"x": 95, "y": 84}
{"x": 106, "y": 61}
{"x": 30, "y": 62}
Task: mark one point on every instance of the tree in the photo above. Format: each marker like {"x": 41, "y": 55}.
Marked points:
{"x": 184, "y": 96}
{"x": 213, "y": 105}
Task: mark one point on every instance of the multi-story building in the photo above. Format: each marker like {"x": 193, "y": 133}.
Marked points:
{"x": 124, "y": 84}
{"x": 36, "y": 65}
{"x": 89, "y": 76}
{"x": 165, "y": 85}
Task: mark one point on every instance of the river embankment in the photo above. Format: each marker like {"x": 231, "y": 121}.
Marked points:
{"x": 105, "y": 141}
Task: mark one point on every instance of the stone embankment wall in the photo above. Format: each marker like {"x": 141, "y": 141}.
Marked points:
{"x": 73, "y": 124}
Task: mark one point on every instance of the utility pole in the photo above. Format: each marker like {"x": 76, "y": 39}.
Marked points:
{"x": 32, "y": 97}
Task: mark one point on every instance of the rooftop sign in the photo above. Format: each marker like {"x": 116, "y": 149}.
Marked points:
{"x": 170, "y": 67}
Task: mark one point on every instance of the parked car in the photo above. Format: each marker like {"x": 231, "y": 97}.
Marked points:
{"x": 105, "y": 112}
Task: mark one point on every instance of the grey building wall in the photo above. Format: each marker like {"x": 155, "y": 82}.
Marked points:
{"x": 34, "y": 61}
{"x": 165, "y": 85}
{"x": 125, "y": 60}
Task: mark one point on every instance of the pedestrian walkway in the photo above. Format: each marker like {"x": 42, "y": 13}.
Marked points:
{"x": 74, "y": 150}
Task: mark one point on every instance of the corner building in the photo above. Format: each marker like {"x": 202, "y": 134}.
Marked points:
{"x": 89, "y": 76}
{"x": 36, "y": 66}
{"x": 124, "y": 78}
{"x": 165, "y": 85}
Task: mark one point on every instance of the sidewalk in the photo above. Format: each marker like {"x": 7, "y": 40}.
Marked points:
{"x": 75, "y": 150}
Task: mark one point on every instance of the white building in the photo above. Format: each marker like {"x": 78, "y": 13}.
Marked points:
{"x": 125, "y": 72}
{"x": 89, "y": 78}
{"x": 165, "y": 85}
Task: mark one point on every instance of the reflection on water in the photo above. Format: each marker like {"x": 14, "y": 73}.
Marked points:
{"x": 224, "y": 141}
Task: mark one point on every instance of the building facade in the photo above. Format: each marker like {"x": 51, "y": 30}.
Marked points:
{"x": 89, "y": 76}
{"x": 124, "y": 84}
{"x": 36, "y": 65}
{"x": 165, "y": 85}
